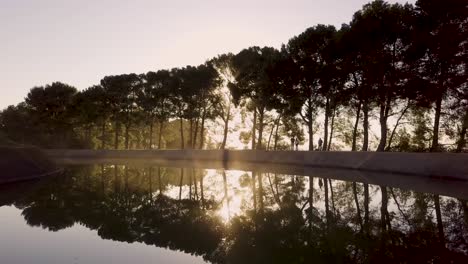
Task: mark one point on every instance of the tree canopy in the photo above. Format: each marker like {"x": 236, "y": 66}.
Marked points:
{"x": 400, "y": 68}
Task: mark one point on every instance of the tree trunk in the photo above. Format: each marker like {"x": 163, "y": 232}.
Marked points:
{"x": 195, "y": 134}
{"x": 159, "y": 181}
{"x": 150, "y": 179}
{"x": 383, "y": 208}
{"x": 358, "y": 211}
{"x": 139, "y": 139}
{"x": 254, "y": 125}
{"x": 327, "y": 205}
{"x": 435, "y": 137}
{"x": 260, "y": 129}
{"x": 202, "y": 132}
{"x": 274, "y": 128}
{"x": 276, "y": 136}
{"x": 151, "y": 135}
{"x": 440, "y": 226}
{"x": 127, "y": 135}
{"x": 396, "y": 125}
{"x": 311, "y": 136}
{"x": 461, "y": 140}
{"x": 383, "y": 129}
{"x": 331, "y": 129}
{"x": 365, "y": 109}
{"x": 116, "y": 179}
{"x": 275, "y": 194}
{"x": 190, "y": 184}
{"x": 332, "y": 196}
{"x": 325, "y": 132}
{"x": 180, "y": 183}
{"x": 310, "y": 122}
{"x": 366, "y": 208}
{"x": 384, "y": 215}
{"x": 161, "y": 125}
{"x": 358, "y": 114}
{"x": 226, "y": 128}
{"x": 271, "y": 134}
{"x": 202, "y": 195}
{"x": 88, "y": 133}
{"x": 116, "y": 140}
{"x": 260, "y": 192}
{"x": 182, "y": 143}
{"x": 190, "y": 143}
{"x": 464, "y": 207}
{"x": 311, "y": 191}
{"x": 254, "y": 193}
{"x": 226, "y": 196}
{"x": 311, "y": 207}
{"x": 195, "y": 183}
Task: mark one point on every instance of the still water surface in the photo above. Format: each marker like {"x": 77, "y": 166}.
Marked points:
{"x": 152, "y": 214}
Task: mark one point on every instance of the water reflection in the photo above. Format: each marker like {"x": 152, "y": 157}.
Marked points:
{"x": 229, "y": 216}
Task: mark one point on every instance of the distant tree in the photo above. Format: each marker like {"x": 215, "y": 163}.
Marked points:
{"x": 50, "y": 108}
{"x": 89, "y": 110}
{"x": 121, "y": 92}
{"x": 154, "y": 100}
{"x": 16, "y": 124}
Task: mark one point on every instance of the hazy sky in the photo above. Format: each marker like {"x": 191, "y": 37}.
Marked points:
{"x": 80, "y": 41}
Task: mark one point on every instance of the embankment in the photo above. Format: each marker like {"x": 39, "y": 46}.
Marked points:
{"x": 19, "y": 163}
{"x": 435, "y": 165}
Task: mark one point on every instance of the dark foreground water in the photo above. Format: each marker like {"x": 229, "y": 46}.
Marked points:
{"x": 153, "y": 214}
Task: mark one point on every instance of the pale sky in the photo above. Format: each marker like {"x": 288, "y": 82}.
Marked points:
{"x": 80, "y": 41}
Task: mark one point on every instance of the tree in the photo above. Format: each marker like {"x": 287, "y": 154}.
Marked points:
{"x": 154, "y": 99}
{"x": 121, "y": 92}
{"x": 16, "y": 123}
{"x": 252, "y": 82}
{"x": 383, "y": 30}
{"x": 310, "y": 53}
{"x": 194, "y": 97}
{"x": 89, "y": 109}
{"x": 50, "y": 107}
{"x": 223, "y": 107}
{"x": 441, "y": 37}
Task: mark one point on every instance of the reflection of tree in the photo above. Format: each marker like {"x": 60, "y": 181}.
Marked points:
{"x": 440, "y": 227}
{"x": 358, "y": 210}
{"x": 226, "y": 196}
{"x": 286, "y": 221}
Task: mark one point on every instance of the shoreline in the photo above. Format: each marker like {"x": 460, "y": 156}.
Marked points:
{"x": 451, "y": 166}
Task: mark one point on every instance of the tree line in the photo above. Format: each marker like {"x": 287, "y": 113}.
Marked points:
{"x": 402, "y": 66}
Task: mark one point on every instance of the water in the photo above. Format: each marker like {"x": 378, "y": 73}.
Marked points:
{"x": 161, "y": 213}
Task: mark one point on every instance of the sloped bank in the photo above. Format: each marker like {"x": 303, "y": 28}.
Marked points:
{"x": 437, "y": 165}
{"x": 24, "y": 163}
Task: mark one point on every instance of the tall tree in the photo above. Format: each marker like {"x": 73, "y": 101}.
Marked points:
{"x": 154, "y": 99}
{"x": 442, "y": 28}
{"x": 252, "y": 82}
{"x": 383, "y": 30}
{"x": 51, "y": 106}
{"x": 309, "y": 51}
{"x": 224, "y": 106}
{"x": 121, "y": 91}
